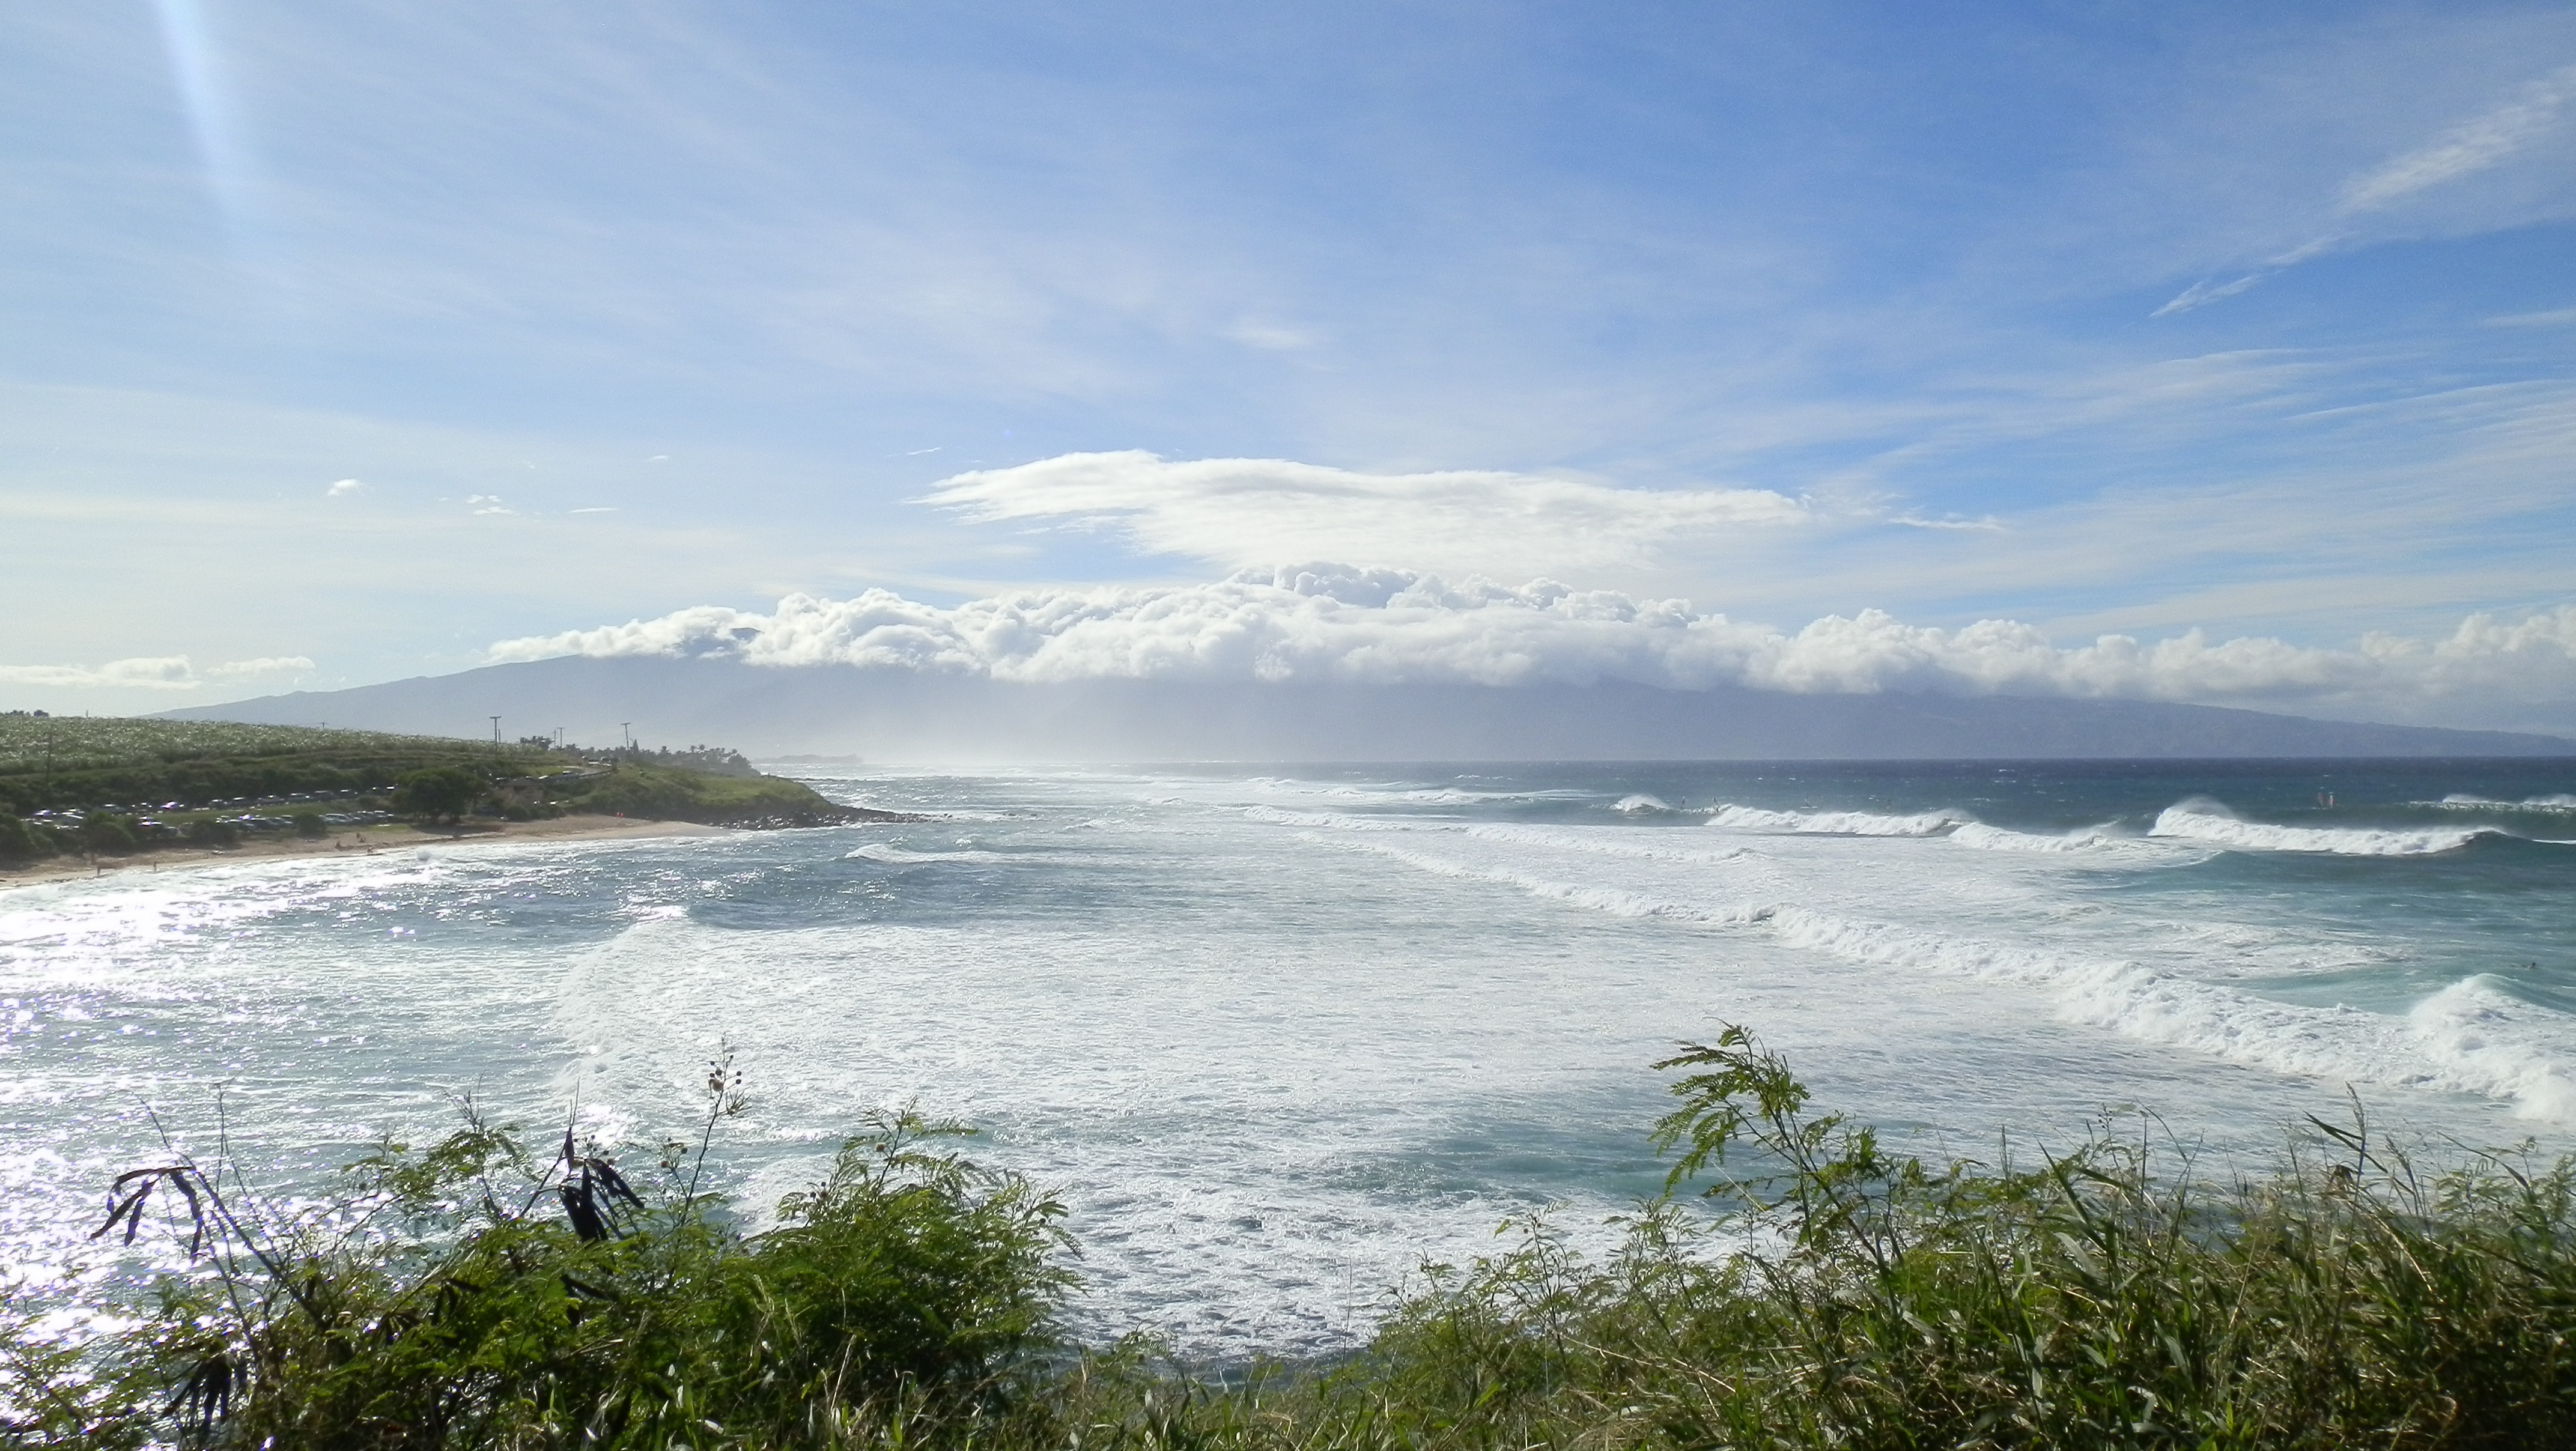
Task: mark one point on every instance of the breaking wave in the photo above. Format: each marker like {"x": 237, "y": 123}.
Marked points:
{"x": 1642, "y": 804}
{"x": 1332, "y": 820}
{"x": 2468, "y": 1038}
{"x": 1420, "y": 795}
{"x": 2207, "y": 821}
{"x": 2474, "y": 1037}
{"x": 895, "y": 856}
{"x": 1837, "y": 823}
{"x": 2481, "y": 1031}
{"x": 2089, "y": 842}
{"x": 2553, "y": 804}
{"x": 1606, "y": 843}
{"x": 1614, "y": 901}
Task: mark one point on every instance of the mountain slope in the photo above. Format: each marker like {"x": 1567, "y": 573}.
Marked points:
{"x": 908, "y": 715}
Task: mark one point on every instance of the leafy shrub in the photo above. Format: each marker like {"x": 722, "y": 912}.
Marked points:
{"x": 310, "y": 825}
{"x": 20, "y": 842}
{"x": 107, "y": 834}
{"x": 1849, "y": 1297}
{"x": 1840, "y": 1296}
{"x": 437, "y": 1305}
{"x": 207, "y": 831}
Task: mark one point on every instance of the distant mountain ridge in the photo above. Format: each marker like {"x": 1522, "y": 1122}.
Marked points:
{"x": 889, "y": 714}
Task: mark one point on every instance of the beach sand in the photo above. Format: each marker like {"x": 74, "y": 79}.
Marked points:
{"x": 388, "y": 837}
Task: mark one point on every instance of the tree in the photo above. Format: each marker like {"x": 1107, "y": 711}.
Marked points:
{"x": 441, "y": 793}
{"x": 104, "y": 832}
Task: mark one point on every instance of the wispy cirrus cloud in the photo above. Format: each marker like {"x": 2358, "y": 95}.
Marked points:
{"x": 2535, "y": 113}
{"x": 2481, "y": 144}
{"x": 2203, "y": 293}
{"x": 2554, "y": 317}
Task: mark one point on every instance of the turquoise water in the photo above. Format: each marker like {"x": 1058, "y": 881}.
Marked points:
{"x": 1277, "y": 1034}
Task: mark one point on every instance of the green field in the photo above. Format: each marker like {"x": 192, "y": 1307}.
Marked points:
{"x": 53, "y": 764}
{"x": 60, "y": 762}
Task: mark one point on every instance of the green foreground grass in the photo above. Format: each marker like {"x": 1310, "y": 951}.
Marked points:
{"x": 1828, "y": 1294}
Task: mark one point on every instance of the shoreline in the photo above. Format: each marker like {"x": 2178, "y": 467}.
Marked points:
{"x": 362, "y": 841}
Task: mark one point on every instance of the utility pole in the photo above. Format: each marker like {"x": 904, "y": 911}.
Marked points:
{"x": 496, "y": 730}
{"x": 626, "y": 726}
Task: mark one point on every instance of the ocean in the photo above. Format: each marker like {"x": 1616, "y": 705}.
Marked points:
{"x": 1277, "y": 1036}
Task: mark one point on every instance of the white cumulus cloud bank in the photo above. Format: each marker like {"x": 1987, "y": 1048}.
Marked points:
{"x": 1340, "y": 623}
{"x": 150, "y": 672}
{"x": 1241, "y": 513}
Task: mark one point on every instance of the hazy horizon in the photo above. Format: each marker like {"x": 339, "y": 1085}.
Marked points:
{"x": 888, "y": 714}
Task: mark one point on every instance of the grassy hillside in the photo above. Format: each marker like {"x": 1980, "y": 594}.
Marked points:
{"x": 665, "y": 793}
{"x": 118, "y": 785}
{"x": 52, "y": 763}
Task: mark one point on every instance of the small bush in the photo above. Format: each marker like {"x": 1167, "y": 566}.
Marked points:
{"x": 20, "y": 842}
{"x": 1840, "y": 1296}
{"x": 106, "y": 834}
{"x": 207, "y": 831}
{"x": 1848, "y": 1297}
{"x": 470, "y": 1295}
{"x": 310, "y": 825}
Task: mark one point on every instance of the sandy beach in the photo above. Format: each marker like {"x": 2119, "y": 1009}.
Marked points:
{"x": 388, "y": 837}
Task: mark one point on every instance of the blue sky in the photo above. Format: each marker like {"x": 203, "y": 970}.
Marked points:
{"x": 2257, "y": 320}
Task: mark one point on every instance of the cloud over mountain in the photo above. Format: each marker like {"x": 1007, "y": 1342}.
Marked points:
{"x": 154, "y": 672}
{"x": 1244, "y": 512}
{"x": 1337, "y": 623}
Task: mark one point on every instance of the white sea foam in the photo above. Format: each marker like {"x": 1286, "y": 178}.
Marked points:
{"x": 2482, "y": 1033}
{"x": 2461, "y": 801}
{"x": 2207, "y": 821}
{"x": 1617, "y": 842}
{"x": 2119, "y": 994}
{"x": 1836, "y": 823}
{"x": 1335, "y": 820}
{"x": 2094, "y": 843}
{"x": 2464, "y": 1039}
{"x": 1394, "y": 792}
{"x": 1615, "y": 901}
{"x": 895, "y": 856}
{"x": 1642, "y": 804}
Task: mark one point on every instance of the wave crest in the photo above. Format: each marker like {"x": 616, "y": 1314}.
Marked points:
{"x": 2204, "y": 821}
{"x": 895, "y": 856}
{"x": 2090, "y": 841}
{"x": 1837, "y": 823}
